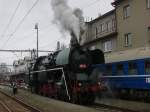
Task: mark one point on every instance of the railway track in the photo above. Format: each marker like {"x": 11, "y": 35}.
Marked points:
{"x": 11, "y": 104}
{"x": 105, "y": 108}
{"x": 3, "y": 107}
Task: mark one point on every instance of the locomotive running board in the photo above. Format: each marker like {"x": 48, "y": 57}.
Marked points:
{"x": 63, "y": 76}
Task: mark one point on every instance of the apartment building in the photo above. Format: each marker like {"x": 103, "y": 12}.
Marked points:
{"x": 133, "y": 24}
{"x": 123, "y": 33}
{"x": 101, "y": 33}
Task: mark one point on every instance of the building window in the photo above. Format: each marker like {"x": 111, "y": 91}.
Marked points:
{"x": 113, "y": 23}
{"x": 107, "y": 46}
{"x": 128, "y": 39}
{"x": 96, "y": 32}
{"x": 103, "y": 27}
{"x": 109, "y": 25}
{"x": 148, "y": 3}
{"x": 126, "y": 11}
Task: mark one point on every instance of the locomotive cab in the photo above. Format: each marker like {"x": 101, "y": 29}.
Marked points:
{"x": 80, "y": 73}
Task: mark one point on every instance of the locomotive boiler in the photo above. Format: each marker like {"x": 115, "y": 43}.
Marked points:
{"x": 67, "y": 74}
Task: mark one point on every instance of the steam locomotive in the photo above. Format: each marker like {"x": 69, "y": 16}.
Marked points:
{"x": 68, "y": 74}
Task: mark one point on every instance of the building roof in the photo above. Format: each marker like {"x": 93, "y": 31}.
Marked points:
{"x": 102, "y": 16}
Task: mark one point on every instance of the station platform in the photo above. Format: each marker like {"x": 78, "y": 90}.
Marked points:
{"x": 46, "y": 104}
{"x": 131, "y": 105}
{"x": 50, "y": 105}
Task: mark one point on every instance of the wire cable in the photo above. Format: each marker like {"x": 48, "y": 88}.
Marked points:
{"x": 29, "y": 11}
{"x": 20, "y": 23}
{"x": 12, "y": 17}
{"x": 40, "y": 33}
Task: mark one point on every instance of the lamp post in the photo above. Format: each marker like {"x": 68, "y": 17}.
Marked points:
{"x": 36, "y": 27}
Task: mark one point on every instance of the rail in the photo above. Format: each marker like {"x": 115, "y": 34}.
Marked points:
{"x": 23, "y": 104}
{"x": 5, "y": 106}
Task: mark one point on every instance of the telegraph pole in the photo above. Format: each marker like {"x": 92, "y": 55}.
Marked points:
{"x": 37, "y": 29}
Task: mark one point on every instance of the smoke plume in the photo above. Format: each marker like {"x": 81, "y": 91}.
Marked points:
{"x": 68, "y": 19}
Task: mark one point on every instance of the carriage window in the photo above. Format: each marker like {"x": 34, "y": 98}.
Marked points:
{"x": 147, "y": 66}
{"x": 108, "y": 70}
{"x": 120, "y": 69}
{"x": 132, "y": 69}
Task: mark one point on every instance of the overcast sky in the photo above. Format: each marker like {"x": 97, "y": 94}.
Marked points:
{"x": 23, "y": 36}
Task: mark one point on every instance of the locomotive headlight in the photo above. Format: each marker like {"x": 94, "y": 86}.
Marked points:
{"x": 83, "y": 66}
{"x": 80, "y": 84}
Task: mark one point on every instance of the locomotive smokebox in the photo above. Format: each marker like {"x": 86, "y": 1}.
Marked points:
{"x": 74, "y": 41}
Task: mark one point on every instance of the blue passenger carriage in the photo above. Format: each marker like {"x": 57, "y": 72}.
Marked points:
{"x": 128, "y": 73}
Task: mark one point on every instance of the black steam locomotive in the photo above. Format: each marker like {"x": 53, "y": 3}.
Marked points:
{"x": 67, "y": 75}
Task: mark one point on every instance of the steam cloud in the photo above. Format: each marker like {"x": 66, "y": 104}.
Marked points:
{"x": 67, "y": 18}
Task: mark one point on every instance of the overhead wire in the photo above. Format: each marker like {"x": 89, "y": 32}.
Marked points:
{"x": 42, "y": 32}
{"x": 11, "y": 18}
{"x": 20, "y": 23}
{"x": 30, "y": 11}
{"x": 27, "y": 15}
{"x": 32, "y": 33}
